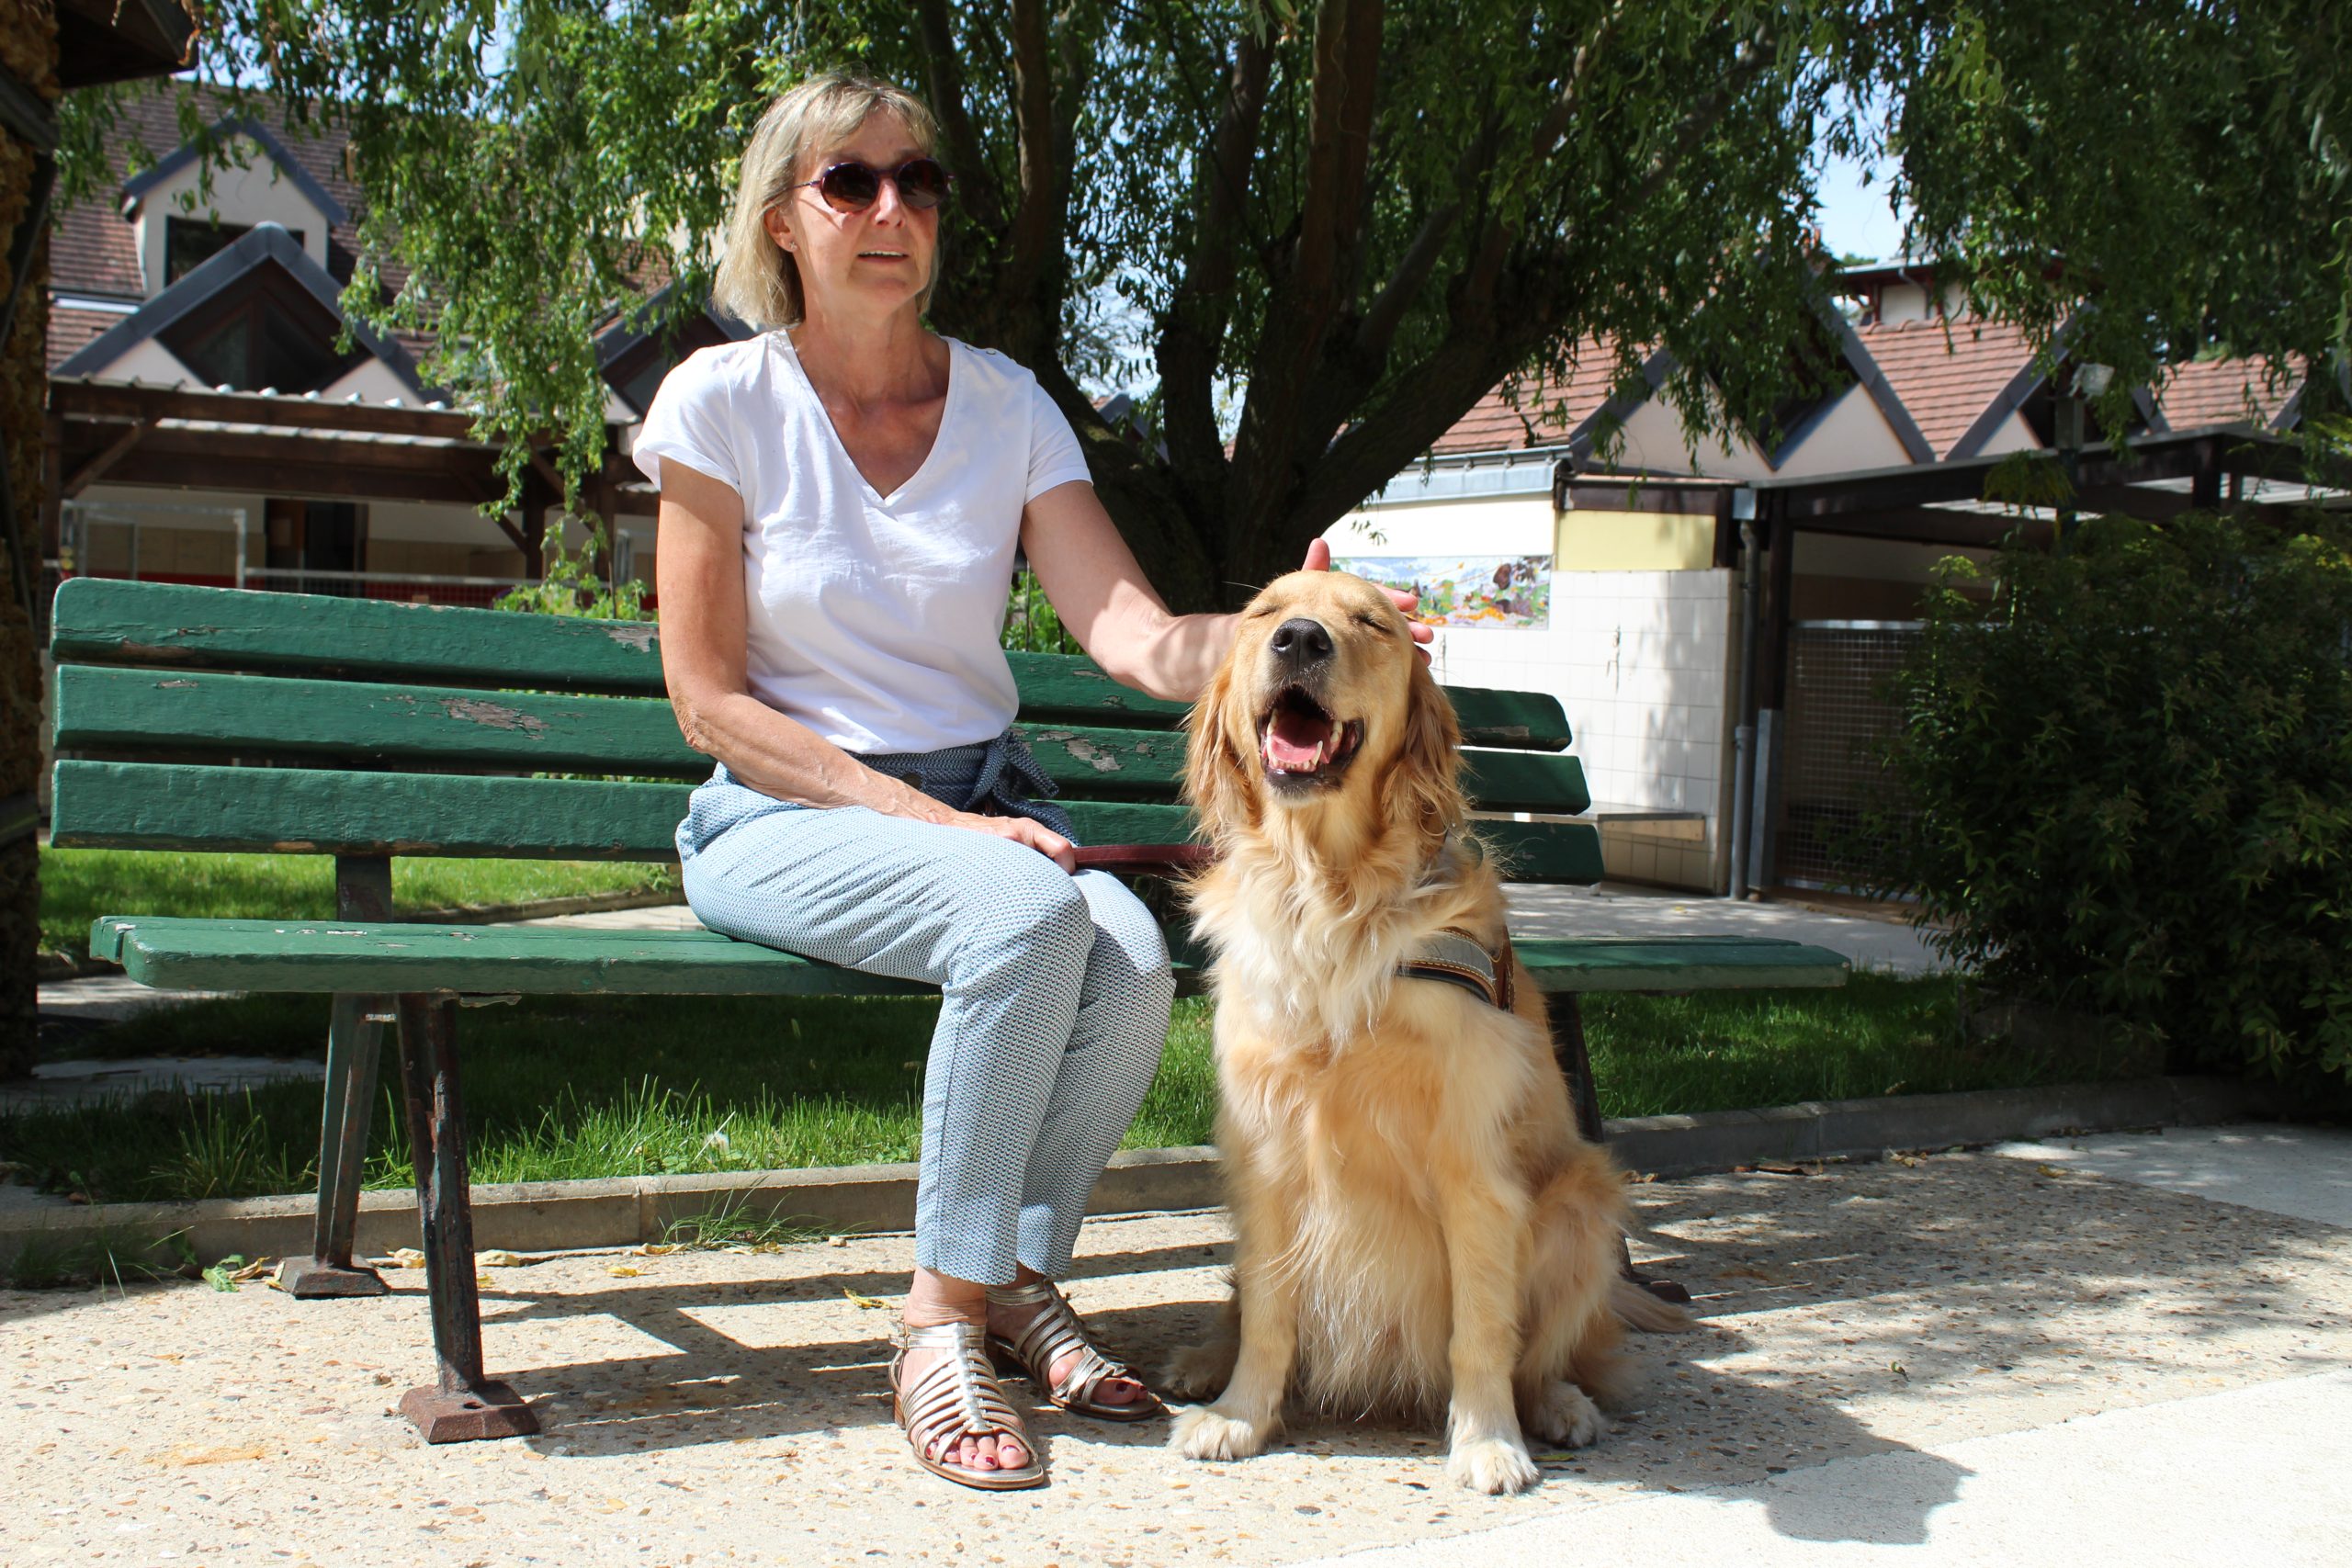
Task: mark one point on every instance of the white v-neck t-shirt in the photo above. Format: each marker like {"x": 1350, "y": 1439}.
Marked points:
{"x": 874, "y": 619}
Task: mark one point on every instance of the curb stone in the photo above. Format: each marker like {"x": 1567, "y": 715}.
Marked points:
{"x": 557, "y": 1216}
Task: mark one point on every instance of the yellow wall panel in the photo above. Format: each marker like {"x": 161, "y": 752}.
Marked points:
{"x": 1635, "y": 541}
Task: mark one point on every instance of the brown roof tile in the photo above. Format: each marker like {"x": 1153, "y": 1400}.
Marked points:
{"x": 2226, "y": 391}
{"x": 1493, "y": 425}
{"x": 1947, "y": 378}
{"x": 70, "y": 330}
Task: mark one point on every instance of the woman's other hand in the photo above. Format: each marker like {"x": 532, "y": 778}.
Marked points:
{"x": 1318, "y": 558}
{"x": 1020, "y": 831}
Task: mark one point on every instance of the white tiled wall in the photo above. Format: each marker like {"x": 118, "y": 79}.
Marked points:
{"x": 1641, "y": 661}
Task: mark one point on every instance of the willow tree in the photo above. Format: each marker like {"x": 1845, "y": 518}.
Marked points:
{"x": 1351, "y": 219}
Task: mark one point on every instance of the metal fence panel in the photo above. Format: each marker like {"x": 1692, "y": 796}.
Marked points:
{"x": 1840, "y": 711}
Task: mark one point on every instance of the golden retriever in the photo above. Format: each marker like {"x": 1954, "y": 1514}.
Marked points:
{"x": 1418, "y": 1222}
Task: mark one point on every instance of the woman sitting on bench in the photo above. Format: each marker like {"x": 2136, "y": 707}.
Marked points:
{"x": 842, "y": 497}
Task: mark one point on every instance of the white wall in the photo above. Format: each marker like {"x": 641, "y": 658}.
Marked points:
{"x": 374, "y": 382}
{"x": 1640, "y": 661}
{"x": 1852, "y": 436}
{"x": 258, "y": 194}
{"x": 152, "y": 363}
{"x": 1655, "y": 439}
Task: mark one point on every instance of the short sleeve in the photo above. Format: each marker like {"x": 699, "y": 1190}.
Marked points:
{"x": 1054, "y": 455}
{"x": 690, "y": 419}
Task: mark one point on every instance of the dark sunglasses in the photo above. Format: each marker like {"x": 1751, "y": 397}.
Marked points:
{"x": 853, "y": 187}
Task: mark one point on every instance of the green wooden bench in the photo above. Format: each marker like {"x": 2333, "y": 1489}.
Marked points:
{"x": 214, "y": 719}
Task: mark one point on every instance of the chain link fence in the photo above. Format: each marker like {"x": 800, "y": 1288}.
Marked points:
{"x": 1840, "y": 711}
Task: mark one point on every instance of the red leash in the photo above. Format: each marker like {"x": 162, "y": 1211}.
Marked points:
{"x": 1163, "y": 859}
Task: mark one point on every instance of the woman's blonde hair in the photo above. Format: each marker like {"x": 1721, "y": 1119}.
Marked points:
{"x": 759, "y": 282}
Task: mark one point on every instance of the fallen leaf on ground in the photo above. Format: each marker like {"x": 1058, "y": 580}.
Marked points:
{"x": 625, "y": 1271}
{"x": 498, "y": 1258}
{"x": 2048, "y": 1170}
{"x": 866, "y": 1302}
{"x": 407, "y": 1257}
{"x": 657, "y": 1249}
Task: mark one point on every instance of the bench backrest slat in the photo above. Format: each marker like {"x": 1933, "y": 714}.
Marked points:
{"x": 100, "y": 621}
{"x": 170, "y": 626}
{"x": 193, "y": 711}
{"x": 202, "y": 718}
{"x": 183, "y": 805}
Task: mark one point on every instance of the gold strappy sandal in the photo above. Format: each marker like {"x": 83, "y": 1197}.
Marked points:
{"x": 958, "y": 1398}
{"x": 1046, "y": 1338}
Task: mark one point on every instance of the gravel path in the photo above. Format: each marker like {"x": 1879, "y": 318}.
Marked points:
{"x": 718, "y": 1407}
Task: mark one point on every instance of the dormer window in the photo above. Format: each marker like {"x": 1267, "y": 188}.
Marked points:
{"x": 263, "y": 330}
{"x": 190, "y": 242}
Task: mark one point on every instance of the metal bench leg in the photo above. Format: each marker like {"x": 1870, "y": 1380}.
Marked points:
{"x": 363, "y": 892}
{"x": 354, "y": 1042}
{"x": 1575, "y": 1066}
{"x": 463, "y": 1404}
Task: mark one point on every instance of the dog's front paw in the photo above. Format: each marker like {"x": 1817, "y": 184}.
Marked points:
{"x": 1562, "y": 1414}
{"x": 1491, "y": 1464}
{"x": 1199, "y": 1371}
{"x": 1205, "y": 1432}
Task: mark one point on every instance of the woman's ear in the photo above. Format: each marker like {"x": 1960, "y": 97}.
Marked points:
{"x": 1427, "y": 780}
{"x": 1216, "y": 776}
{"x": 778, "y": 223}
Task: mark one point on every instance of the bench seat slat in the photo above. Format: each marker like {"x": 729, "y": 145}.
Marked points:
{"x": 326, "y": 956}
{"x": 188, "y": 805}
{"x": 212, "y": 711}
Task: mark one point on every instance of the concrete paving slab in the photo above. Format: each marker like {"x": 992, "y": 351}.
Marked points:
{"x": 109, "y": 998}
{"x": 714, "y": 1407}
{"x": 2253, "y": 1476}
{"x": 2304, "y": 1172}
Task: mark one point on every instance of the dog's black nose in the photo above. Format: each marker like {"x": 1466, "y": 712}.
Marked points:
{"x": 1301, "y": 641}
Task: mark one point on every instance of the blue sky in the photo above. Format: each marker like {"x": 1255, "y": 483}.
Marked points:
{"x": 1855, "y": 218}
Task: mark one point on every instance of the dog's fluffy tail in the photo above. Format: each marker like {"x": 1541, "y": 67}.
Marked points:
{"x": 1639, "y": 1310}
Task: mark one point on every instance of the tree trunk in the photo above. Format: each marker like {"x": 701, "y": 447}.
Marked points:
{"x": 28, "y": 51}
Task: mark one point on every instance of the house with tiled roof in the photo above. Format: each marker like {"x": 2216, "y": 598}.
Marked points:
{"x": 194, "y": 334}
{"x": 1575, "y": 534}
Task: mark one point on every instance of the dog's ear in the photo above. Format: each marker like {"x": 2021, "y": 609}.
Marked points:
{"x": 1217, "y": 772}
{"x": 1425, "y": 783}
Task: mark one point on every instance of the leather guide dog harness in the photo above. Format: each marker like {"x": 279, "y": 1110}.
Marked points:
{"x": 1457, "y": 958}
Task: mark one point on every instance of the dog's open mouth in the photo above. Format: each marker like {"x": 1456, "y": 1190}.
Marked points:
{"x": 1299, "y": 740}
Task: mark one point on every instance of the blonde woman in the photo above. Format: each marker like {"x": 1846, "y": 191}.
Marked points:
{"x": 842, "y": 497}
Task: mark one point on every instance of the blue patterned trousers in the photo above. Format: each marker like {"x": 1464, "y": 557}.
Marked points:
{"x": 1055, "y": 988}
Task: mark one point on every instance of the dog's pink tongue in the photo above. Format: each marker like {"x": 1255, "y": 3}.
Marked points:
{"x": 1292, "y": 739}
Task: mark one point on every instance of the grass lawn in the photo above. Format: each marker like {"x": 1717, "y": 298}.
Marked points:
{"x": 561, "y": 1088}
{"x": 79, "y": 885}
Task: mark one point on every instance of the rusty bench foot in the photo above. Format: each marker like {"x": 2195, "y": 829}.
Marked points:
{"x": 464, "y": 1405}
{"x": 1575, "y": 1067}
{"x": 1664, "y": 1290}
{"x": 317, "y": 1278}
{"x": 491, "y": 1409}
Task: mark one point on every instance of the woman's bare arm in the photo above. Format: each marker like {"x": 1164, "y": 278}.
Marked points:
{"x": 1101, "y": 594}
{"x": 698, "y": 571}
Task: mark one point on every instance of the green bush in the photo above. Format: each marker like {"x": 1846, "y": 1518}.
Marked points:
{"x": 2123, "y": 783}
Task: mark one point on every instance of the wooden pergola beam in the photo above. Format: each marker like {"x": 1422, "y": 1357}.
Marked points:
{"x": 90, "y": 471}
